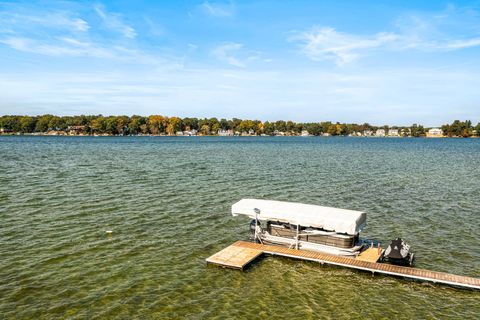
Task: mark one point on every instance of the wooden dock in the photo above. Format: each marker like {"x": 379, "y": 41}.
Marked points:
{"x": 241, "y": 253}
{"x": 236, "y": 257}
{"x": 370, "y": 255}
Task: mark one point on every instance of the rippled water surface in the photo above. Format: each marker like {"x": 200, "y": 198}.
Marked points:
{"x": 167, "y": 201}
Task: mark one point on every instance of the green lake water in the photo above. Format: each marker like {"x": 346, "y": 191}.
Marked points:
{"x": 167, "y": 201}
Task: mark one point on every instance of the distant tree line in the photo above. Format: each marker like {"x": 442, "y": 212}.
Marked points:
{"x": 162, "y": 125}
{"x": 461, "y": 129}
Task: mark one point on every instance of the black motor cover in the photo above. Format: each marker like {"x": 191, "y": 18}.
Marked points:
{"x": 398, "y": 249}
{"x": 398, "y": 252}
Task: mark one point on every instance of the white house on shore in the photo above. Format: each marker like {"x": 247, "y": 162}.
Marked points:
{"x": 434, "y": 133}
{"x": 393, "y": 133}
{"x": 225, "y": 133}
{"x": 380, "y": 133}
{"x": 367, "y": 133}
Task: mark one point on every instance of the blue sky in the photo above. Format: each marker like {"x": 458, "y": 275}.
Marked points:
{"x": 390, "y": 62}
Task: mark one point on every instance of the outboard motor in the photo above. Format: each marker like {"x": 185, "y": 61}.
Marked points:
{"x": 398, "y": 252}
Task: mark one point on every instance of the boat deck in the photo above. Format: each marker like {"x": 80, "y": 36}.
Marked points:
{"x": 241, "y": 253}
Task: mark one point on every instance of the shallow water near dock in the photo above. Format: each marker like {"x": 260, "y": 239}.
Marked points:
{"x": 167, "y": 202}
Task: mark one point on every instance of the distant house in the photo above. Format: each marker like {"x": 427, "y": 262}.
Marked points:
{"x": 192, "y": 132}
{"x": 305, "y": 133}
{"x": 380, "y": 133}
{"x": 74, "y": 130}
{"x": 434, "y": 133}
{"x": 367, "y": 133}
{"x": 393, "y": 133}
{"x": 225, "y": 133}
{"x": 5, "y": 130}
{"x": 179, "y": 133}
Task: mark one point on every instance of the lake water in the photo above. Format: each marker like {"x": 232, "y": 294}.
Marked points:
{"x": 167, "y": 201}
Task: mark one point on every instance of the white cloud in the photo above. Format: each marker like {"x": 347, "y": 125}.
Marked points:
{"x": 439, "y": 31}
{"x": 342, "y": 48}
{"x": 411, "y": 31}
{"x": 114, "y": 22}
{"x": 65, "y": 47}
{"x": 226, "y": 53}
{"x": 17, "y": 21}
{"x": 154, "y": 28}
{"x": 461, "y": 44}
{"x": 80, "y": 24}
{"x": 72, "y": 47}
{"x": 218, "y": 9}
{"x": 395, "y": 96}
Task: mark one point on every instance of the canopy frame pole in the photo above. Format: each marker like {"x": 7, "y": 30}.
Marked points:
{"x": 256, "y": 225}
{"x": 296, "y": 238}
{"x": 257, "y": 211}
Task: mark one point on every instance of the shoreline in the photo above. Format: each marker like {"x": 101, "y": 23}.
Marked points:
{"x": 224, "y": 136}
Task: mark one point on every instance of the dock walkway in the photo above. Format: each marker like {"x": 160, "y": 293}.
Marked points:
{"x": 241, "y": 253}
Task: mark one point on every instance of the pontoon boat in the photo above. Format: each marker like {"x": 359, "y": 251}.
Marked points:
{"x": 304, "y": 226}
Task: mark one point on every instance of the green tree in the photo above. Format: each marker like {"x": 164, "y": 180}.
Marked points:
{"x": 268, "y": 128}
{"x": 57, "y": 123}
{"x": 27, "y": 124}
{"x": 225, "y": 124}
{"x": 43, "y": 123}
{"x": 190, "y": 124}
{"x": 281, "y": 126}
{"x": 417, "y": 130}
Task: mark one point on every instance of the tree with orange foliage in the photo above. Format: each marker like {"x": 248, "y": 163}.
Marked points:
{"x": 174, "y": 125}
{"x": 156, "y": 124}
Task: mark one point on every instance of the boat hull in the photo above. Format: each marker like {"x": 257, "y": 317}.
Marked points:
{"x": 311, "y": 246}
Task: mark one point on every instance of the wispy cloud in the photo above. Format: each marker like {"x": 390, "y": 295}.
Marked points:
{"x": 462, "y": 44}
{"x": 439, "y": 31}
{"x": 50, "y": 20}
{"x": 329, "y": 44}
{"x": 226, "y": 53}
{"x": 63, "y": 33}
{"x": 114, "y": 22}
{"x": 154, "y": 28}
{"x": 396, "y": 96}
{"x": 72, "y": 47}
{"x": 414, "y": 31}
{"x": 69, "y": 48}
{"x": 218, "y": 9}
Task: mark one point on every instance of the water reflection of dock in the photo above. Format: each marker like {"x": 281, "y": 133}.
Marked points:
{"x": 241, "y": 253}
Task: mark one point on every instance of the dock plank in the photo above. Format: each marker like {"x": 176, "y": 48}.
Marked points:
{"x": 370, "y": 255}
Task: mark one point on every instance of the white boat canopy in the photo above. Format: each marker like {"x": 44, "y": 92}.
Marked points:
{"x": 306, "y": 215}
